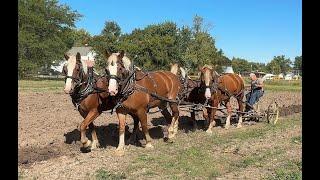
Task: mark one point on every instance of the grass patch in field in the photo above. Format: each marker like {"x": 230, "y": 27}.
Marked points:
{"x": 282, "y": 88}
{"x": 247, "y": 133}
{"x": 40, "y": 86}
{"x": 102, "y": 174}
{"x": 291, "y": 170}
{"x": 280, "y": 85}
{"x": 191, "y": 162}
{"x": 297, "y": 139}
{"x": 201, "y": 156}
{"x": 20, "y": 175}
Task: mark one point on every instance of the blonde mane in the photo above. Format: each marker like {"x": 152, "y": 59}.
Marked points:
{"x": 174, "y": 68}
{"x": 114, "y": 57}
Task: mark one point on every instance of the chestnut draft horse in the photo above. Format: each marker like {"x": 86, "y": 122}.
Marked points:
{"x": 192, "y": 92}
{"x": 137, "y": 91}
{"x": 219, "y": 89}
{"x": 88, "y": 93}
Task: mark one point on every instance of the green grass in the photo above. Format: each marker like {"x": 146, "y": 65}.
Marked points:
{"x": 38, "y": 85}
{"x": 20, "y": 175}
{"x": 290, "y": 170}
{"x": 292, "y": 88}
{"x": 102, "y": 174}
{"x": 297, "y": 139}
{"x": 280, "y": 85}
{"x": 41, "y": 85}
{"x": 202, "y": 156}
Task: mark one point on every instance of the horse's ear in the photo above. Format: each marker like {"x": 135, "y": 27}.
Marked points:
{"x": 107, "y": 53}
{"x": 66, "y": 56}
{"x": 200, "y": 68}
{"x": 121, "y": 54}
{"x": 78, "y": 57}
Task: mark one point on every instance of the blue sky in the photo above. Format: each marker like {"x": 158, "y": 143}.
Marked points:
{"x": 255, "y": 30}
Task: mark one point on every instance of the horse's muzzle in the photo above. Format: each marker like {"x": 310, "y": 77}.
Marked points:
{"x": 113, "y": 93}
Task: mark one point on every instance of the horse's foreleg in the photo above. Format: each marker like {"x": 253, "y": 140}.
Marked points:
{"x": 142, "y": 115}
{"x": 122, "y": 128}
{"x": 229, "y": 110}
{"x": 194, "y": 122}
{"x": 92, "y": 115}
{"x": 133, "y": 137}
{"x": 212, "y": 113}
{"x": 95, "y": 143}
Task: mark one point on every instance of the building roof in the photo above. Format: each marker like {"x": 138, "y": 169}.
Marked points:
{"x": 228, "y": 69}
{"x": 82, "y": 50}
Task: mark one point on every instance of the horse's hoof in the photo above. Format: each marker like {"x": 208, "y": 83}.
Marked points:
{"x": 119, "y": 152}
{"x": 171, "y": 136}
{"x": 149, "y": 146}
{"x": 239, "y": 126}
{"x": 226, "y": 127}
{"x": 167, "y": 140}
{"x": 87, "y": 144}
{"x": 132, "y": 140}
{"x": 209, "y": 131}
{"x": 95, "y": 145}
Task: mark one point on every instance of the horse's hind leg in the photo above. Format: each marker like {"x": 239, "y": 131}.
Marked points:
{"x": 95, "y": 143}
{"x": 142, "y": 115}
{"x": 229, "y": 110}
{"x": 241, "y": 107}
{"x": 173, "y": 129}
{"x": 92, "y": 115}
{"x": 194, "y": 122}
{"x": 167, "y": 116}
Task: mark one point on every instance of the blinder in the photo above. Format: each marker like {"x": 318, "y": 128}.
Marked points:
{"x": 77, "y": 80}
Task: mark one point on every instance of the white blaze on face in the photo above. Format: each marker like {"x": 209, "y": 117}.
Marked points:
{"x": 207, "y": 82}
{"x": 70, "y": 67}
{"x": 208, "y": 93}
{"x": 113, "y": 86}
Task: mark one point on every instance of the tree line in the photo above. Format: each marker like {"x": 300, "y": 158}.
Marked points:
{"x": 47, "y": 30}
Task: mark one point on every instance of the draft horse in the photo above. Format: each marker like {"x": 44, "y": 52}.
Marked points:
{"x": 191, "y": 92}
{"x": 220, "y": 89}
{"x": 88, "y": 93}
{"x": 139, "y": 91}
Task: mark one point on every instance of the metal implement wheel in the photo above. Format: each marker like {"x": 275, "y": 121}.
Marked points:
{"x": 273, "y": 113}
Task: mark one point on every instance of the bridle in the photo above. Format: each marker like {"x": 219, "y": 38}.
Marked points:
{"x": 79, "y": 81}
{"x": 115, "y": 77}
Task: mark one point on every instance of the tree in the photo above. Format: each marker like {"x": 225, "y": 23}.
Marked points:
{"x": 297, "y": 63}
{"x": 201, "y": 48}
{"x": 81, "y": 37}
{"x": 240, "y": 65}
{"x": 279, "y": 64}
{"x": 107, "y": 40}
{"x": 44, "y": 35}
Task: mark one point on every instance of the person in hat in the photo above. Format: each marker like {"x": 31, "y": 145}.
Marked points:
{"x": 256, "y": 91}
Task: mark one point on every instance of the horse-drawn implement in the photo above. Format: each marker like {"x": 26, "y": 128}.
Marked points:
{"x": 271, "y": 114}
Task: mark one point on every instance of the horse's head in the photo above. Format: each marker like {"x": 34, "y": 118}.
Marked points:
{"x": 207, "y": 76}
{"x": 117, "y": 69}
{"x": 74, "y": 70}
{"x": 174, "y": 68}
